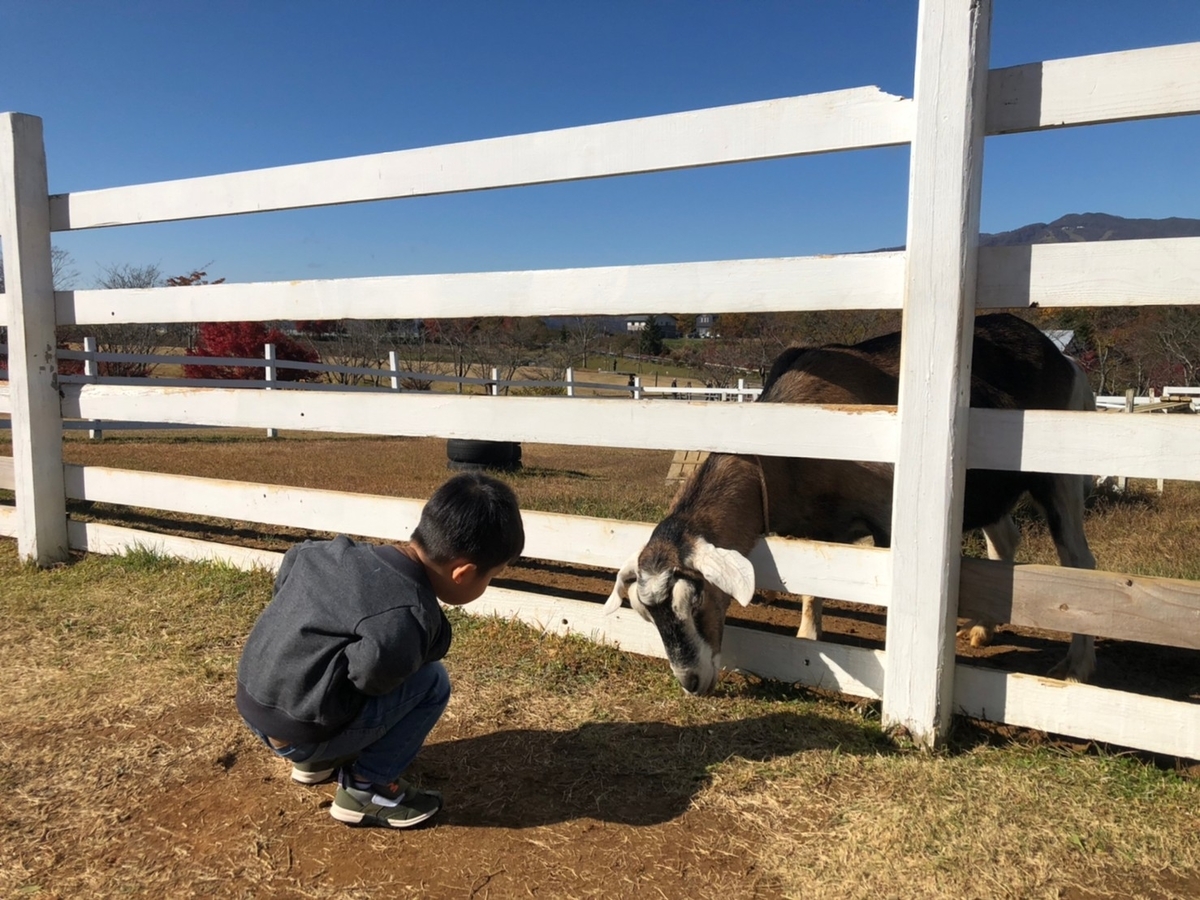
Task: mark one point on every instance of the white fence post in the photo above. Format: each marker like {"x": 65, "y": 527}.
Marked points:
{"x": 570, "y": 381}
{"x": 637, "y": 387}
{"x": 495, "y": 382}
{"x": 32, "y": 367}
{"x": 91, "y": 369}
{"x": 269, "y": 377}
{"x": 394, "y": 365}
{"x": 950, "y": 93}
{"x": 1123, "y": 481}
{"x": 741, "y": 390}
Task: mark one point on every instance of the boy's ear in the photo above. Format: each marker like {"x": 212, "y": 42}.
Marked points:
{"x": 461, "y": 570}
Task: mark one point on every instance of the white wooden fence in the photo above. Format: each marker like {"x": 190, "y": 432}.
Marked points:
{"x": 931, "y": 436}
{"x": 394, "y": 375}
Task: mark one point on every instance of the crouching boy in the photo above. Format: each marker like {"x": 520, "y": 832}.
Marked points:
{"x": 341, "y": 674}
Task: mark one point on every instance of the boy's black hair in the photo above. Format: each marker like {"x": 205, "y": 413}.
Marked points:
{"x": 473, "y": 517}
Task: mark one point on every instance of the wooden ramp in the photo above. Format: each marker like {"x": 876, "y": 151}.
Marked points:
{"x": 684, "y": 463}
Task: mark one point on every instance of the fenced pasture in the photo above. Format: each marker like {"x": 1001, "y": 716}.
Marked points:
{"x": 939, "y": 282}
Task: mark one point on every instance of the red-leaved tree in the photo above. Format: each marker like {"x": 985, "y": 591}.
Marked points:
{"x": 245, "y": 340}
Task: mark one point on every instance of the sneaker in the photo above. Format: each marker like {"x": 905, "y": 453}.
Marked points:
{"x": 395, "y": 805}
{"x": 317, "y": 771}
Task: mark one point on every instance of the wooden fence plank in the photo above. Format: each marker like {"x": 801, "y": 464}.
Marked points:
{"x": 7, "y": 480}
{"x": 1106, "y": 87}
{"x": 95, "y": 537}
{"x": 860, "y": 433}
{"x": 766, "y": 129}
{"x": 840, "y": 571}
{"x": 935, "y": 362}
{"x": 8, "y": 521}
{"x": 1116, "y": 717}
{"x": 855, "y": 281}
{"x": 1159, "y": 271}
{"x": 1085, "y": 443}
{"x": 1162, "y": 611}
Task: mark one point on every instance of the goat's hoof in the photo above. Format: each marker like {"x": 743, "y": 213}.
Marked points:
{"x": 977, "y": 635}
{"x": 808, "y": 631}
{"x": 1069, "y": 673}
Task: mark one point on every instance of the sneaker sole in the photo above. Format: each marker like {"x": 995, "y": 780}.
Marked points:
{"x": 321, "y": 775}
{"x": 364, "y": 820}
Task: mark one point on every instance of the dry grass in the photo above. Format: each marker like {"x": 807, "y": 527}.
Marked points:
{"x": 571, "y": 770}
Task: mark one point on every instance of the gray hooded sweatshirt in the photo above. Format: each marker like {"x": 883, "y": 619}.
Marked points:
{"x": 346, "y": 621}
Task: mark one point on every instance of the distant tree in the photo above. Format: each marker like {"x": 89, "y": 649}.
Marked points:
{"x": 135, "y": 338}
{"x": 315, "y": 328}
{"x": 62, "y": 269}
{"x": 507, "y": 344}
{"x": 650, "y": 339}
{"x": 194, "y": 277}
{"x": 722, "y": 362}
{"x": 582, "y": 333}
{"x": 246, "y": 340}
{"x": 1109, "y": 337}
{"x": 457, "y": 335}
{"x": 360, "y": 344}
{"x": 125, "y": 276}
{"x": 734, "y": 326}
{"x": 1175, "y": 357}
{"x": 187, "y": 335}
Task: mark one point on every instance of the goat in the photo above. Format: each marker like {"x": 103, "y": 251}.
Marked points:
{"x": 683, "y": 579}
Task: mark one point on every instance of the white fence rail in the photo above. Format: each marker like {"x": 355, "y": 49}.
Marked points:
{"x": 939, "y": 281}
{"x": 389, "y": 379}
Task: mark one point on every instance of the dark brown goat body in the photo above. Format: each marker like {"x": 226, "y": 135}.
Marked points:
{"x": 1014, "y": 366}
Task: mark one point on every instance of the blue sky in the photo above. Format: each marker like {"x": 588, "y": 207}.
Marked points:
{"x": 145, "y": 91}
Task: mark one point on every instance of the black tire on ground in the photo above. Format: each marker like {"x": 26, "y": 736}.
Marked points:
{"x": 469, "y": 455}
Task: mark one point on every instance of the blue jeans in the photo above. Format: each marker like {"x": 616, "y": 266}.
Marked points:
{"x": 388, "y": 732}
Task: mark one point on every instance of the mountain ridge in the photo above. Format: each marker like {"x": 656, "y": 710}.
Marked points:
{"x": 1092, "y": 227}
{"x": 1088, "y": 226}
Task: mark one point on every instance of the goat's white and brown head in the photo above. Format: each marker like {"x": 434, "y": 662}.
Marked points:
{"x": 683, "y": 584}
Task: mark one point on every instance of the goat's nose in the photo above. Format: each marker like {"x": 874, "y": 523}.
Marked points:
{"x": 690, "y": 682}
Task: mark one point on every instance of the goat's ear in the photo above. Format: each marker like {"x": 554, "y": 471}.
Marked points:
{"x": 725, "y": 569}
{"x": 620, "y": 591}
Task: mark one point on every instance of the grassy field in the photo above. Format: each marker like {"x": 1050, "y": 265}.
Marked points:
{"x": 570, "y": 770}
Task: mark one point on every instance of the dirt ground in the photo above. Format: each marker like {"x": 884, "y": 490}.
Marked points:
{"x": 527, "y": 814}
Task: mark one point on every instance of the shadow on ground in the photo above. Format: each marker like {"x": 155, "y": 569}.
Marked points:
{"x": 623, "y": 773}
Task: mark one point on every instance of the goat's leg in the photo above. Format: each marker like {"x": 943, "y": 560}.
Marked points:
{"x": 810, "y": 615}
{"x": 1063, "y": 505}
{"x": 810, "y": 618}
{"x": 1003, "y": 537}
